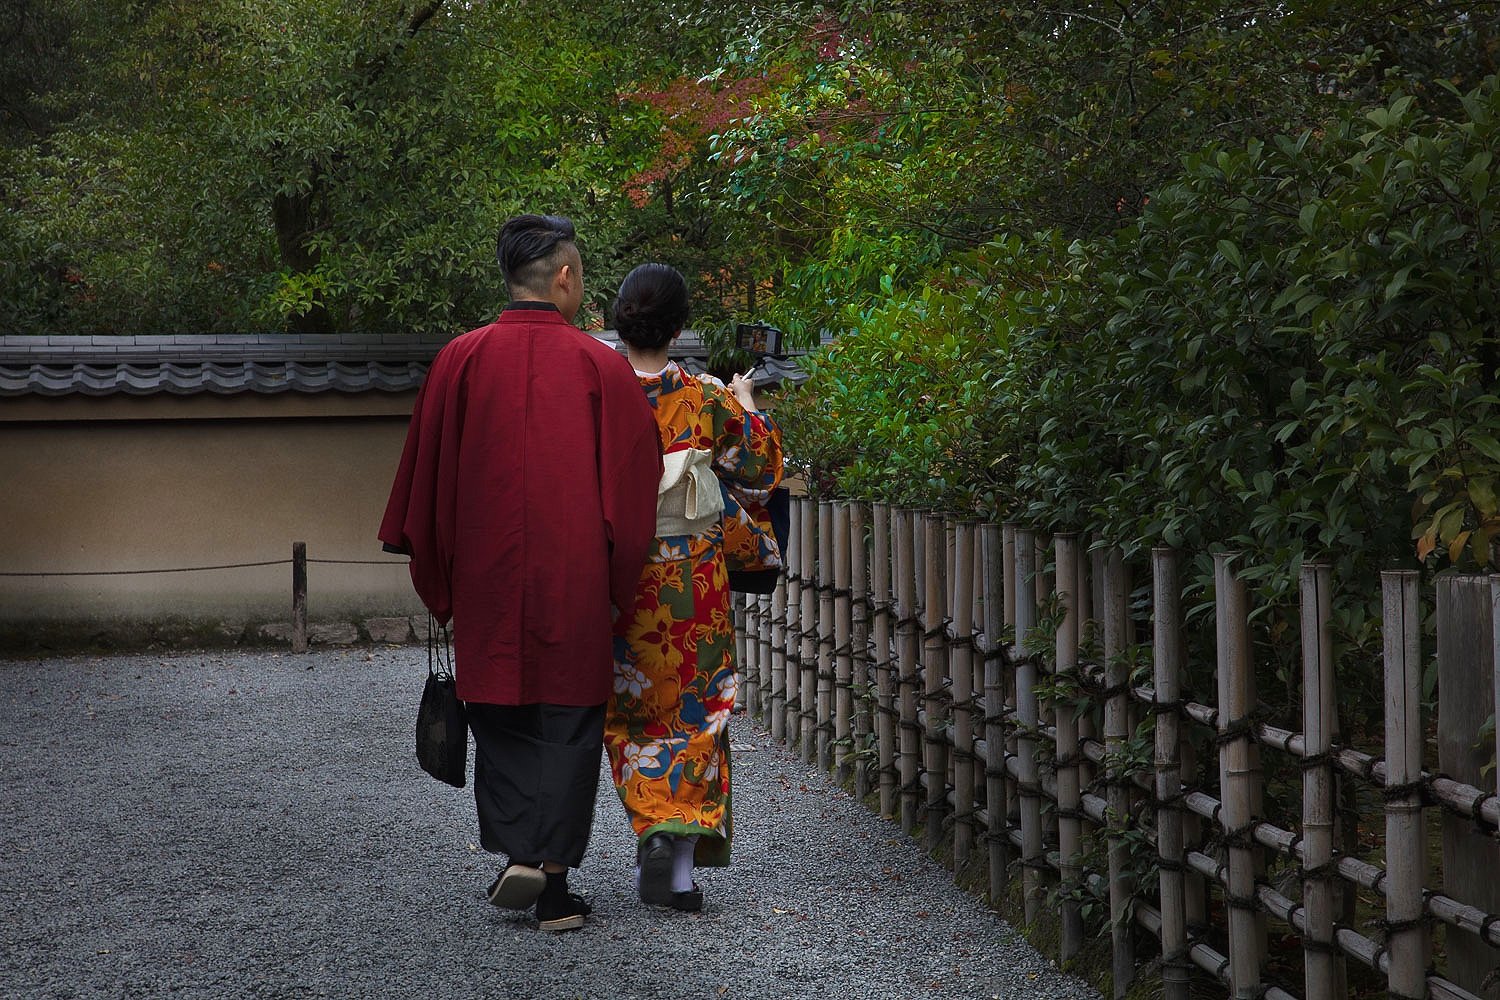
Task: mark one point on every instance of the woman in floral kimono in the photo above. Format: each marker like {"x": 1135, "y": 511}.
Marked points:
{"x": 666, "y": 727}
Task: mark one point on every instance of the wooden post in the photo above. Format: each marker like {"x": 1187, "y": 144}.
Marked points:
{"x": 745, "y": 680}
{"x": 843, "y": 648}
{"x": 961, "y": 668}
{"x": 884, "y": 667}
{"x": 997, "y": 836}
{"x": 1405, "y": 844}
{"x": 776, "y": 709}
{"x": 299, "y": 597}
{"x": 1166, "y": 675}
{"x": 1324, "y": 976}
{"x": 908, "y": 643}
{"x": 1495, "y": 660}
{"x": 792, "y": 702}
{"x": 935, "y": 676}
{"x": 1008, "y": 605}
{"x": 859, "y": 637}
{"x": 1008, "y": 534}
{"x": 1033, "y": 885}
{"x": 1465, "y": 645}
{"x": 807, "y": 686}
{"x": 763, "y": 611}
{"x": 1238, "y": 776}
{"x": 824, "y": 728}
{"x": 1116, "y": 732}
{"x": 1069, "y": 800}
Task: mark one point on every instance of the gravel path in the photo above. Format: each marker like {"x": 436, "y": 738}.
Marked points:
{"x": 253, "y": 825}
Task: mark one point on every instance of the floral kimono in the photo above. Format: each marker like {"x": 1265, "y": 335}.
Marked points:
{"x": 666, "y": 726}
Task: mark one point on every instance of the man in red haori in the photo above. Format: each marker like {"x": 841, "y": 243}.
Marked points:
{"x": 526, "y": 498}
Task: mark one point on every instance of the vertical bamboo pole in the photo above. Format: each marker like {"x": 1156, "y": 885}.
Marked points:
{"x": 908, "y": 644}
{"x": 1008, "y": 606}
{"x": 1008, "y": 535}
{"x": 935, "y": 676}
{"x": 824, "y": 727}
{"x": 859, "y": 638}
{"x": 1032, "y": 858}
{"x": 1238, "y": 776}
{"x": 763, "y": 604}
{"x": 996, "y": 836}
{"x": 883, "y": 667}
{"x": 961, "y": 668}
{"x": 1495, "y": 660}
{"x": 745, "y": 682}
{"x": 1324, "y": 974}
{"x": 1166, "y": 673}
{"x": 807, "y": 686}
{"x": 776, "y": 705}
{"x": 843, "y": 650}
{"x": 1116, "y": 612}
{"x": 1069, "y": 801}
{"x": 1405, "y": 842}
{"x": 791, "y": 703}
{"x": 950, "y": 548}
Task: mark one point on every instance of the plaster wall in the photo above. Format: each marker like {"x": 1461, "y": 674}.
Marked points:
{"x": 120, "y": 483}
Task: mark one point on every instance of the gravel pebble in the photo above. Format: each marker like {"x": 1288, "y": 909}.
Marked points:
{"x": 254, "y": 825}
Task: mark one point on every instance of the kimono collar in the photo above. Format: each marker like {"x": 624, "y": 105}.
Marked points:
{"x": 533, "y": 312}
{"x": 532, "y": 304}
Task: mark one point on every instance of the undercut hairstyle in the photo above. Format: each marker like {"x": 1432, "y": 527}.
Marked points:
{"x": 528, "y": 248}
{"x": 652, "y": 306}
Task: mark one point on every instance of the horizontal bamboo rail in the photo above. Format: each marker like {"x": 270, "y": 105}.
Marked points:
{"x": 968, "y": 738}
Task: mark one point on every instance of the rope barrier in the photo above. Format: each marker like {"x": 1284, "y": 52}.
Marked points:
{"x": 203, "y": 569}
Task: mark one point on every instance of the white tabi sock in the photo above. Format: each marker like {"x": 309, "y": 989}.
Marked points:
{"x": 682, "y": 863}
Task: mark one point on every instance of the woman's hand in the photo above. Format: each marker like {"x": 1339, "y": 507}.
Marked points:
{"x": 744, "y": 390}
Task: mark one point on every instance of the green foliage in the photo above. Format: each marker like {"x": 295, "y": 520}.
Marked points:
{"x": 1291, "y": 349}
{"x": 329, "y": 165}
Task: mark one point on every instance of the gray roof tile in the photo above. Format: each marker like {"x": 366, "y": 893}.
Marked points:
{"x": 182, "y": 364}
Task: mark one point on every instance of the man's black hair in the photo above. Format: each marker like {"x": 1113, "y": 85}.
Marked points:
{"x": 527, "y": 245}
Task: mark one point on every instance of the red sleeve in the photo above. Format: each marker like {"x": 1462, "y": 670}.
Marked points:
{"x": 420, "y": 514}
{"x": 629, "y": 473}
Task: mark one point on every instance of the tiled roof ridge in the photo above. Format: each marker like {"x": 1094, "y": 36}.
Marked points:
{"x": 193, "y": 348}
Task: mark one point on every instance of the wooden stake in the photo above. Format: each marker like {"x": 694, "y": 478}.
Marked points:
{"x": 807, "y": 686}
{"x": 1238, "y": 776}
{"x": 776, "y": 708}
{"x": 1471, "y": 857}
{"x": 1116, "y": 732}
{"x": 824, "y": 727}
{"x": 299, "y": 597}
{"x": 1033, "y": 885}
{"x": 792, "y": 634}
{"x": 1324, "y": 973}
{"x": 935, "y": 676}
{"x": 1166, "y": 673}
{"x": 884, "y": 665}
{"x": 747, "y": 679}
{"x": 1069, "y": 798}
{"x": 908, "y": 645}
{"x": 859, "y": 637}
{"x": 961, "y": 668}
{"x": 995, "y": 798}
{"x": 1405, "y": 844}
{"x": 763, "y": 652}
{"x": 843, "y": 645}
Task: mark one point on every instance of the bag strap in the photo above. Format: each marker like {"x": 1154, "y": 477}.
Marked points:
{"x": 441, "y": 654}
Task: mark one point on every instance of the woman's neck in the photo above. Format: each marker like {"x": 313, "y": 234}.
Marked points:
{"x": 646, "y": 361}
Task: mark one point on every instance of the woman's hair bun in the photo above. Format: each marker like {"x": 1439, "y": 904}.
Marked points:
{"x": 652, "y": 306}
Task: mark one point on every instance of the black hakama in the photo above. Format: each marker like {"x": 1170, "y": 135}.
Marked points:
{"x": 536, "y": 774}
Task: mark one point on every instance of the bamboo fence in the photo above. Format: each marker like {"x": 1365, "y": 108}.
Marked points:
{"x": 939, "y": 667}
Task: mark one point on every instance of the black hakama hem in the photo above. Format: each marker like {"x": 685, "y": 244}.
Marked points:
{"x": 536, "y": 775}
